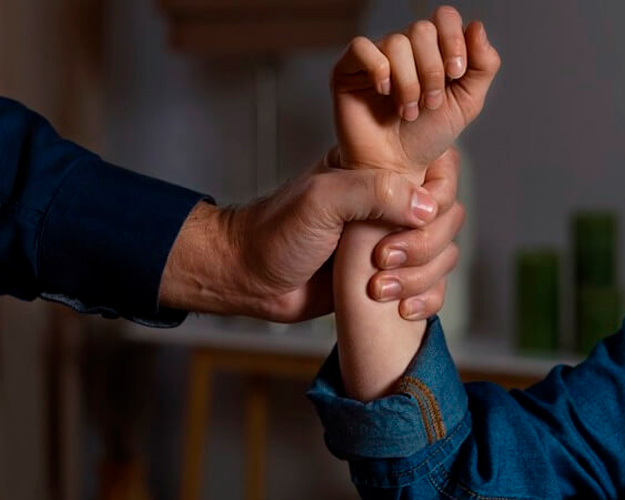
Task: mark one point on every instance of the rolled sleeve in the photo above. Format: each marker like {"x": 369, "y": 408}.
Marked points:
{"x": 430, "y": 402}
{"x": 106, "y": 238}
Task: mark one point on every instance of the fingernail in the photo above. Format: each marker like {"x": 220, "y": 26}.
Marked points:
{"x": 413, "y": 308}
{"x": 455, "y": 67}
{"x": 433, "y": 99}
{"x": 389, "y": 289}
{"x": 423, "y": 210}
{"x": 410, "y": 111}
{"x": 394, "y": 258}
{"x": 385, "y": 87}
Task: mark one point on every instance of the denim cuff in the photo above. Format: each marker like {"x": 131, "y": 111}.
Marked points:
{"x": 106, "y": 238}
{"x": 429, "y": 402}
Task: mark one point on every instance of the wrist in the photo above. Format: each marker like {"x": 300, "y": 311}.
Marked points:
{"x": 338, "y": 158}
{"x": 200, "y": 272}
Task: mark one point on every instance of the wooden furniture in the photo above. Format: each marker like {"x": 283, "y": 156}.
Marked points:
{"x": 249, "y": 27}
{"x": 296, "y": 354}
{"x": 257, "y": 368}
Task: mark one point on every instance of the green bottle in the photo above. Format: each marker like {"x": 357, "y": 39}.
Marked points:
{"x": 595, "y": 247}
{"x": 538, "y": 300}
{"x": 597, "y": 294}
{"x": 599, "y": 315}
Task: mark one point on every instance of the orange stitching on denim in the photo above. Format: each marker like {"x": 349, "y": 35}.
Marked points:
{"x": 437, "y": 418}
{"x": 422, "y": 408}
{"x": 434, "y": 409}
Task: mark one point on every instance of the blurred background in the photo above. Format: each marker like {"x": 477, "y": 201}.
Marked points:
{"x": 94, "y": 409}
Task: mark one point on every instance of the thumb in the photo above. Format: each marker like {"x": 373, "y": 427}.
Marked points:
{"x": 483, "y": 64}
{"x": 360, "y": 195}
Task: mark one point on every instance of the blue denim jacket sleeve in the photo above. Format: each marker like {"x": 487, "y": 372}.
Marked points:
{"x": 437, "y": 438}
{"x": 77, "y": 230}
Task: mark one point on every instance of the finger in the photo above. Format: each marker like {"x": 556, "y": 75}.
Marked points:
{"x": 483, "y": 64}
{"x": 362, "y": 65}
{"x": 420, "y": 246}
{"x": 424, "y": 39}
{"x": 482, "y": 56}
{"x": 336, "y": 196}
{"x": 425, "y": 305}
{"x": 405, "y": 81}
{"x": 441, "y": 179}
{"x": 408, "y": 282}
{"x": 448, "y": 22}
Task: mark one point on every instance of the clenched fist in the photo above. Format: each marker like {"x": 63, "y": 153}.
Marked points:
{"x": 402, "y": 101}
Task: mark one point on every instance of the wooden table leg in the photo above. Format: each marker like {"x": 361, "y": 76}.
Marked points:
{"x": 198, "y": 411}
{"x": 256, "y": 416}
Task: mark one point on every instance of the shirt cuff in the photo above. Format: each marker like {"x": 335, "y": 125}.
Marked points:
{"x": 430, "y": 402}
{"x": 106, "y": 238}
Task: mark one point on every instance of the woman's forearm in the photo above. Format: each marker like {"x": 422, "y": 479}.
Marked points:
{"x": 375, "y": 343}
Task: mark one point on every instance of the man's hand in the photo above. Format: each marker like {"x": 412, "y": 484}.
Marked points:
{"x": 393, "y": 107}
{"x": 417, "y": 262}
{"x": 270, "y": 259}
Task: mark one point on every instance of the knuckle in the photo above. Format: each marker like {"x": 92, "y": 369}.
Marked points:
{"x": 492, "y": 64}
{"x": 462, "y": 217}
{"x": 451, "y": 159}
{"x": 362, "y": 187}
{"x": 434, "y": 76}
{"x": 422, "y": 29}
{"x": 359, "y": 181}
{"x": 454, "y": 256}
{"x": 422, "y": 247}
{"x": 418, "y": 282}
{"x": 317, "y": 206}
{"x": 381, "y": 68}
{"x": 396, "y": 41}
{"x": 411, "y": 91}
{"x": 447, "y": 192}
{"x": 361, "y": 47}
{"x": 446, "y": 10}
{"x": 435, "y": 302}
{"x": 314, "y": 189}
{"x": 385, "y": 187}
{"x": 496, "y": 61}
{"x": 358, "y": 43}
{"x": 314, "y": 185}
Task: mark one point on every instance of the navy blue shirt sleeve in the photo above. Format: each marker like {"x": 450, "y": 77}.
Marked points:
{"x": 77, "y": 230}
{"x": 439, "y": 439}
